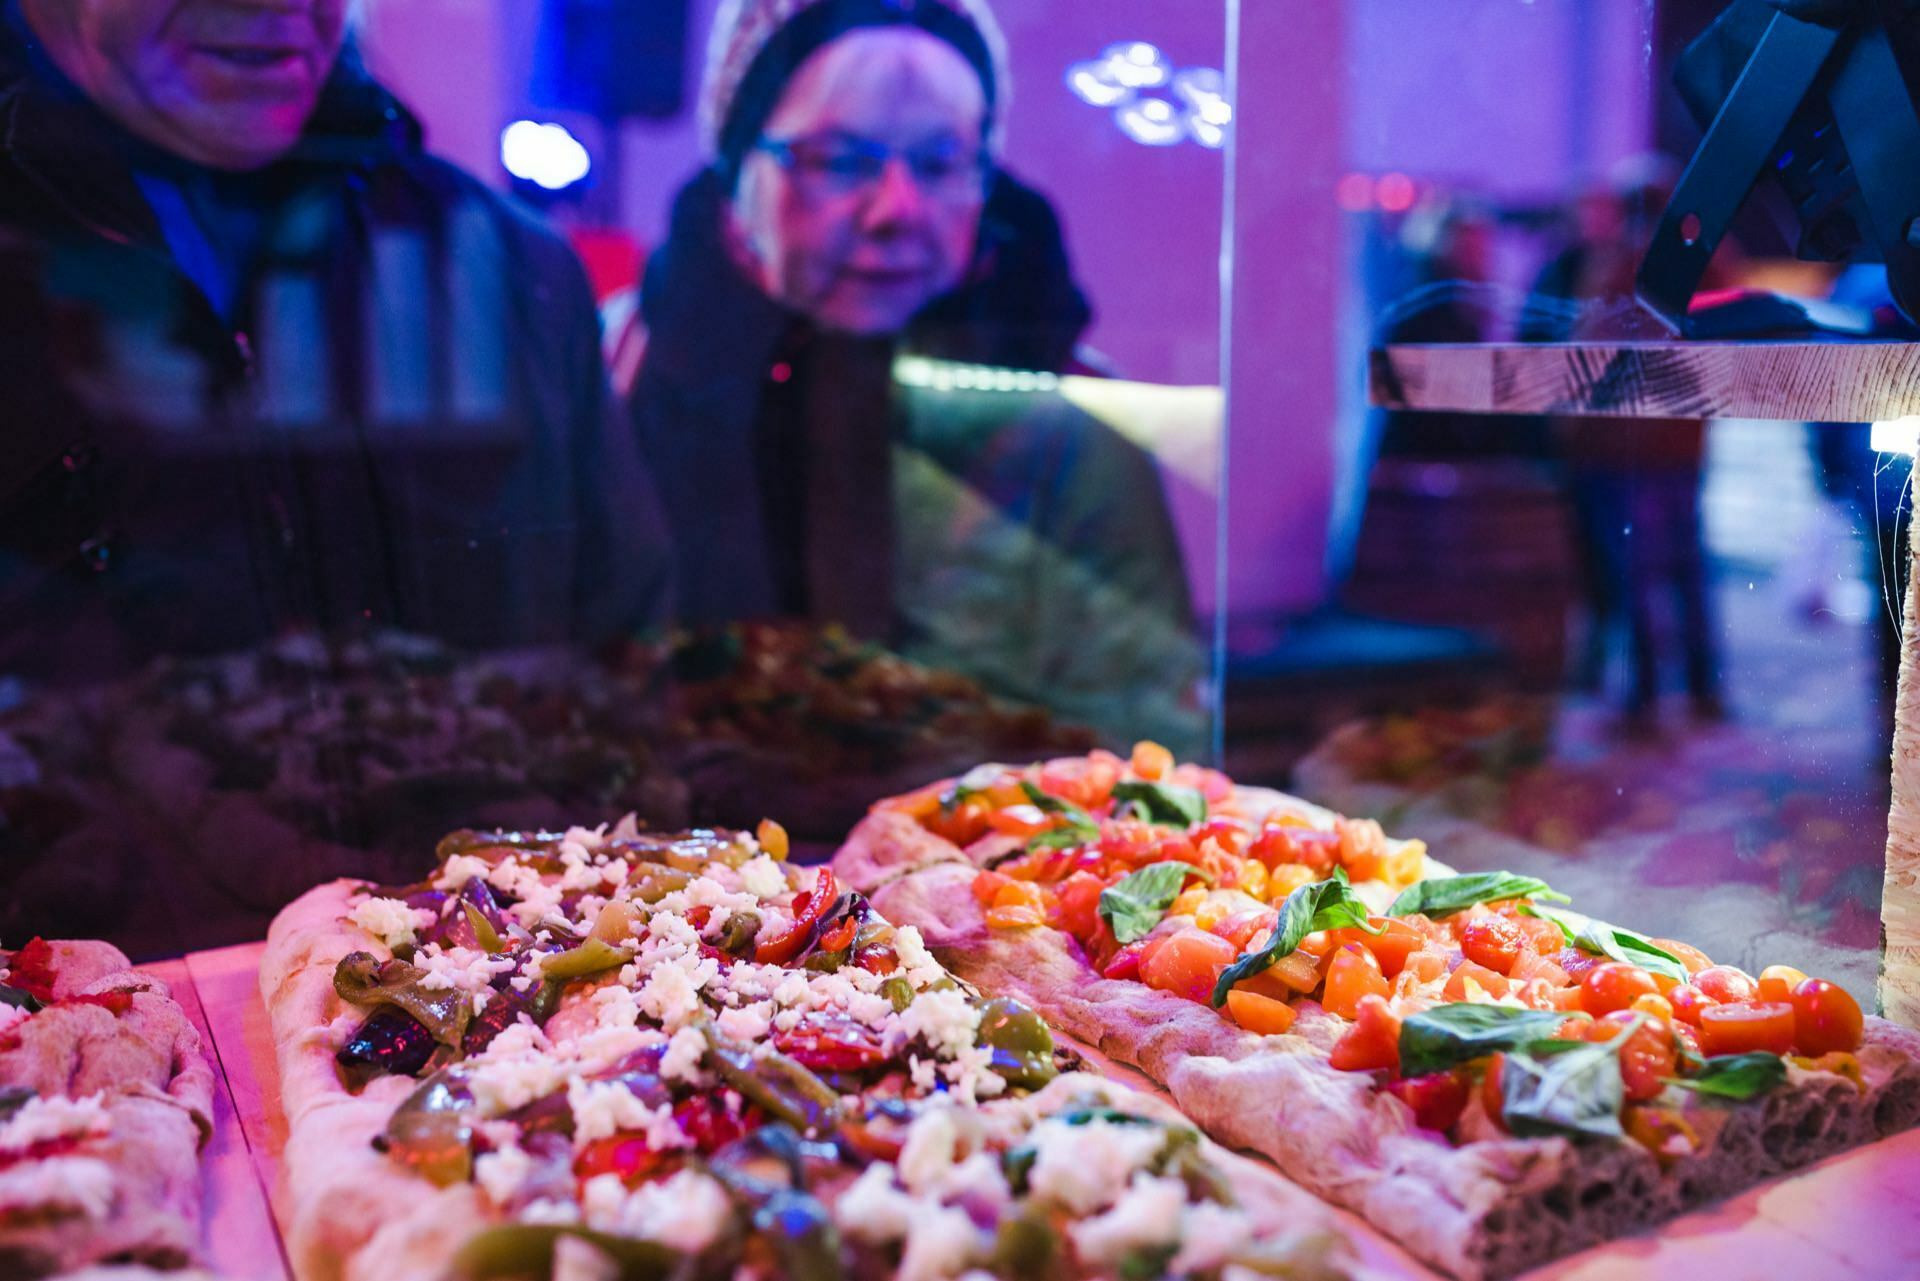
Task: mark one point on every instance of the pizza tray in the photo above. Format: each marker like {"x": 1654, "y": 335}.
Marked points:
{"x": 1853, "y": 1217}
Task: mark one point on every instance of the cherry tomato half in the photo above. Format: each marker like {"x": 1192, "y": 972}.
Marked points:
{"x": 1746, "y": 1027}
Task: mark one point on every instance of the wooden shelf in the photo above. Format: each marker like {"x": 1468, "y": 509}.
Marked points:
{"x": 1794, "y": 381}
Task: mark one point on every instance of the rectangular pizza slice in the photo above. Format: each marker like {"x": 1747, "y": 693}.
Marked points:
{"x": 105, "y": 1103}
{"x": 1492, "y": 1079}
{"x": 609, "y": 1054}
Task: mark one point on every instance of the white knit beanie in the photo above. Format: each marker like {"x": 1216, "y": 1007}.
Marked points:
{"x": 742, "y": 30}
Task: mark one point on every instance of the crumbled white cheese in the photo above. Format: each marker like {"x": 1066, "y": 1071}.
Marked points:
{"x": 687, "y": 1212}
{"x": 976, "y": 1181}
{"x": 1085, "y": 1167}
{"x": 916, "y": 963}
{"x": 53, "y": 1117}
{"x": 78, "y": 1184}
{"x": 460, "y": 869}
{"x": 389, "y": 920}
{"x": 671, "y": 995}
{"x": 522, "y": 1036}
{"x": 502, "y": 1173}
{"x": 763, "y": 878}
{"x": 941, "y": 1244}
{"x": 931, "y": 1148}
{"x": 549, "y": 1211}
{"x": 873, "y": 1210}
{"x": 972, "y": 1076}
{"x": 1147, "y": 1216}
{"x": 501, "y": 1085}
{"x": 945, "y": 1020}
{"x": 604, "y": 1108}
{"x": 925, "y": 1072}
{"x": 463, "y": 969}
{"x": 1210, "y": 1234}
{"x": 793, "y": 989}
{"x": 10, "y": 1015}
{"x": 748, "y": 1023}
{"x": 682, "y": 1059}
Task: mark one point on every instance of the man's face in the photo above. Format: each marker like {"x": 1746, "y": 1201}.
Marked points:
{"x": 862, "y": 256}
{"x": 225, "y": 83}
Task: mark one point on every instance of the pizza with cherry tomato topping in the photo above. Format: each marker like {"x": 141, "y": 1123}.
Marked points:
{"x": 607, "y": 1053}
{"x": 105, "y": 1102}
{"x": 1491, "y": 1077}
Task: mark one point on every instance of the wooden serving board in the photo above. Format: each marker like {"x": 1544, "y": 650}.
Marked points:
{"x": 1855, "y": 1217}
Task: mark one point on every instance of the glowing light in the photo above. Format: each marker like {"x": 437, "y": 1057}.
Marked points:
{"x": 1137, "y": 65}
{"x": 1395, "y": 192}
{"x": 1154, "y": 104}
{"x": 1152, "y": 122}
{"x": 1354, "y": 192}
{"x": 1896, "y": 436}
{"x": 918, "y": 371}
{"x": 545, "y": 155}
{"x": 1090, "y": 85}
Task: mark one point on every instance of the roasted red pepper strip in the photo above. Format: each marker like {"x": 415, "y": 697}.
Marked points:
{"x": 807, "y": 911}
{"x": 31, "y": 970}
{"x": 116, "y": 1003}
{"x": 839, "y": 937}
{"x": 824, "y": 1042}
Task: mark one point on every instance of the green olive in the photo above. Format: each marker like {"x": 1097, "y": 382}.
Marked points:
{"x": 431, "y": 1133}
{"x": 1026, "y": 1247}
{"x": 1021, "y": 1042}
{"x": 900, "y": 992}
{"x": 737, "y": 936}
{"x": 651, "y": 882}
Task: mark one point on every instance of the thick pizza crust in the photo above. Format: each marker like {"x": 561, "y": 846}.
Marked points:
{"x": 339, "y": 1193}
{"x": 1481, "y": 1210}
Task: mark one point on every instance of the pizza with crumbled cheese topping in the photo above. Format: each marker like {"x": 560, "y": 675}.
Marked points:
{"x": 611, "y": 1053}
{"x": 1490, "y": 1077}
{"x": 105, "y": 1102}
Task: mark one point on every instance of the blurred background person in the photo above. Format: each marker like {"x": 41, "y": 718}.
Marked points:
{"x": 268, "y": 367}
{"x": 1634, "y": 483}
{"x": 286, "y": 368}
{"x": 853, "y": 212}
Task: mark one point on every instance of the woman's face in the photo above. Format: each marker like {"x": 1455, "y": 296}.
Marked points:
{"x": 858, "y": 250}
{"x": 224, "y": 83}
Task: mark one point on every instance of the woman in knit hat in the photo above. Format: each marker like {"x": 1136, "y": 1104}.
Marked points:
{"x": 854, "y": 210}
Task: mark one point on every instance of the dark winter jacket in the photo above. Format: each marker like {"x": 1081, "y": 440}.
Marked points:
{"x": 398, "y": 418}
{"x": 998, "y": 531}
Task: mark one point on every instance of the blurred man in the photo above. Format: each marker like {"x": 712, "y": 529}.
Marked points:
{"x": 854, "y": 210}
{"x": 267, "y": 367}
{"x": 286, "y": 367}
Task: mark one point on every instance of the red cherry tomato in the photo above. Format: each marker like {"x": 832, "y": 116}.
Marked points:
{"x": 1353, "y": 975}
{"x": 627, "y": 1155}
{"x": 1647, "y": 1057}
{"x": 1687, "y": 1002}
{"x": 1437, "y": 1099}
{"x": 1614, "y": 986}
{"x": 1492, "y": 941}
{"x": 1724, "y": 984}
{"x": 1493, "y": 1097}
{"x": 1494, "y": 985}
{"x": 1125, "y": 963}
{"x": 1188, "y": 964}
{"x": 1825, "y": 1019}
{"x": 1080, "y": 904}
{"x": 1747, "y": 1027}
{"x": 1372, "y": 1044}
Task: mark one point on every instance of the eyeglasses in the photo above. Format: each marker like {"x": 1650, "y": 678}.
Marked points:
{"x": 837, "y": 164}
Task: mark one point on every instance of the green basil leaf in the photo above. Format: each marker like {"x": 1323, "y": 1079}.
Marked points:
{"x": 1166, "y": 803}
{"x": 20, "y": 999}
{"x": 970, "y": 784}
{"x": 1736, "y": 1076}
{"x": 1048, "y": 803}
{"x": 1323, "y": 905}
{"x": 1448, "y": 1035}
{"x": 1063, "y": 838}
{"x": 1610, "y": 941}
{"x": 1573, "y": 1088}
{"x": 1133, "y": 905}
{"x": 1445, "y": 895}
